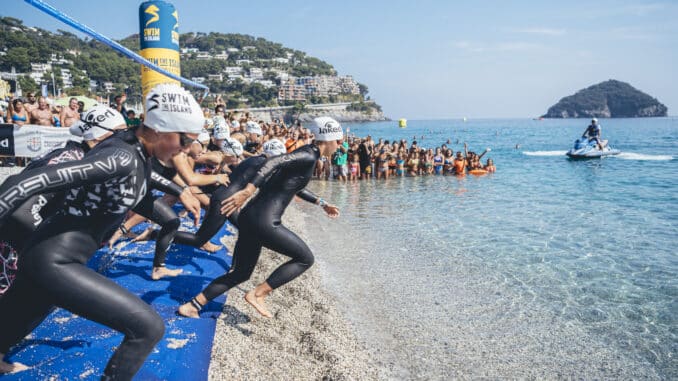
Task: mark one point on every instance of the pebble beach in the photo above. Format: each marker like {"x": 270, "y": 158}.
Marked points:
{"x": 307, "y": 339}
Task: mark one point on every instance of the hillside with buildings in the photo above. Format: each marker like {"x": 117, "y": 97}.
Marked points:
{"x": 247, "y": 72}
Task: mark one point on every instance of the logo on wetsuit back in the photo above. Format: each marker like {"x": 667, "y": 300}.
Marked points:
{"x": 36, "y": 208}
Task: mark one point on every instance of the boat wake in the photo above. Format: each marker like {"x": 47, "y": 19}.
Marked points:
{"x": 641, "y": 156}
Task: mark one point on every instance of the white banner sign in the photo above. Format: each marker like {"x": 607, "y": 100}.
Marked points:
{"x": 31, "y": 140}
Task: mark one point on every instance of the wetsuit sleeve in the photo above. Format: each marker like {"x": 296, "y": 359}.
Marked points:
{"x": 106, "y": 164}
{"x": 309, "y": 196}
{"x": 162, "y": 184}
{"x": 298, "y": 158}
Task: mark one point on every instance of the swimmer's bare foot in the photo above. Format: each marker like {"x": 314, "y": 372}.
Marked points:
{"x": 256, "y": 299}
{"x": 192, "y": 308}
{"x": 161, "y": 272}
{"x": 144, "y": 236}
{"x": 187, "y": 310}
{"x": 6, "y": 367}
{"x": 117, "y": 235}
{"x": 210, "y": 247}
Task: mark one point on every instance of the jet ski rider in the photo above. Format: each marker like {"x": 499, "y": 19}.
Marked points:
{"x": 593, "y": 133}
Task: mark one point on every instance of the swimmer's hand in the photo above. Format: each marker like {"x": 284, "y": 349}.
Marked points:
{"x": 236, "y": 201}
{"x": 191, "y": 204}
{"x": 331, "y": 211}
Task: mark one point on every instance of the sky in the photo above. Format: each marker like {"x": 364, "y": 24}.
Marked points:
{"x": 438, "y": 59}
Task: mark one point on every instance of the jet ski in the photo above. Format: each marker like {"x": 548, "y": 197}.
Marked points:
{"x": 588, "y": 149}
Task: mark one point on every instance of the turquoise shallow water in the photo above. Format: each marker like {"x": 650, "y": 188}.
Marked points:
{"x": 550, "y": 267}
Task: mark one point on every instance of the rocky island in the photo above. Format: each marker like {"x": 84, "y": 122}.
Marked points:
{"x": 609, "y": 99}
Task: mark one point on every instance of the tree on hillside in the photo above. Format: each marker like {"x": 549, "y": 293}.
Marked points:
{"x": 18, "y": 58}
{"x": 27, "y": 84}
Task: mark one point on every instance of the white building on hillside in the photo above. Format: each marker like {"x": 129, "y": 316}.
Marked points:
{"x": 256, "y": 73}
{"x": 66, "y": 78}
{"x": 232, "y": 70}
{"x": 39, "y": 70}
{"x": 265, "y": 82}
{"x": 221, "y": 56}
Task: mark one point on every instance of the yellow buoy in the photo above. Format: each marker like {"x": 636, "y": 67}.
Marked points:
{"x": 402, "y": 123}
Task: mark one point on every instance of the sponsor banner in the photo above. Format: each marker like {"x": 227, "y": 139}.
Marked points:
{"x": 6, "y": 140}
{"x": 31, "y": 140}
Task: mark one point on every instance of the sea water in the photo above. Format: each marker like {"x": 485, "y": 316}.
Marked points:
{"x": 549, "y": 268}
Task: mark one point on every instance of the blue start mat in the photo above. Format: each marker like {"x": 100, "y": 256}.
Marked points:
{"x": 67, "y": 347}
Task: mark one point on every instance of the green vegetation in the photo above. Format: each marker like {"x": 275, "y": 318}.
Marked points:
{"x": 609, "y": 99}
{"x": 92, "y": 60}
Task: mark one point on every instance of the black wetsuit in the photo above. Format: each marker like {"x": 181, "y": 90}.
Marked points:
{"x": 156, "y": 210}
{"x": 240, "y": 176}
{"x": 17, "y": 228}
{"x": 279, "y": 180}
{"x": 100, "y": 189}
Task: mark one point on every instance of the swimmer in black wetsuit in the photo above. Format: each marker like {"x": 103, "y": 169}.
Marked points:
{"x": 213, "y": 218}
{"x": 17, "y": 228}
{"x": 279, "y": 179}
{"x": 112, "y": 178}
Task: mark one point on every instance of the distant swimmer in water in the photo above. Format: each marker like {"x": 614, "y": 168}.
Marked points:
{"x": 517, "y": 146}
{"x": 448, "y": 141}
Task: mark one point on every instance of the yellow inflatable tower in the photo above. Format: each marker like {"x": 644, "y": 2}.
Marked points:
{"x": 159, "y": 42}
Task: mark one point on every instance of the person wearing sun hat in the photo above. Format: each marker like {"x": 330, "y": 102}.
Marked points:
{"x": 101, "y": 188}
{"x": 279, "y": 179}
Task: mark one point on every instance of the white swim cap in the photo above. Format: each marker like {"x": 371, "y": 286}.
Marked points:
{"x": 231, "y": 147}
{"x": 594, "y": 120}
{"x": 221, "y": 132}
{"x": 204, "y": 137}
{"x": 326, "y": 129}
{"x": 221, "y": 129}
{"x": 170, "y": 108}
{"x": 89, "y": 127}
{"x": 253, "y": 127}
{"x": 274, "y": 147}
